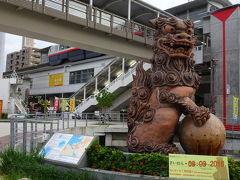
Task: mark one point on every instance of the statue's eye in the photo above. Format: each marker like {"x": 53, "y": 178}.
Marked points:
{"x": 169, "y": 29}
{"x": 189, "y": 30}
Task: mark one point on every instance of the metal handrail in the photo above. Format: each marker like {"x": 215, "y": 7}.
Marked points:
{"x": 93, "y": 78}
{"x": 64, "y": 8}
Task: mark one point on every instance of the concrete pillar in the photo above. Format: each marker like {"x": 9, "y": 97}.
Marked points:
{"x": 100, "y": 17}
{"x": 123, "y": 65}
{"x": 84, "y": 93}
{"x": 67, "y": 8}
{"x": 96, "y": 84}
{"x": 129, "y": 9}
{"x": 63, "y": 5}
{"x": 90, "y": 2}
{"x": 108, "y": 139}
{"x": 109, "y": 74}
{"x": 128, "y": 22}
{"x": 158, "y": 14}
{"x": 90, "y": 10}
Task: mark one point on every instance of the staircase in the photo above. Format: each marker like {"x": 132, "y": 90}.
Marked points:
{"x": 122, "y": 81}
{"x": 19, "y": 104}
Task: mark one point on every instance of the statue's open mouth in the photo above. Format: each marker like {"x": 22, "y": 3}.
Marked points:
{"x": 176, "y": 48}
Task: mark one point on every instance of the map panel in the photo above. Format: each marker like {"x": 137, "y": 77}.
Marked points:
{"x": 66, "y": 148}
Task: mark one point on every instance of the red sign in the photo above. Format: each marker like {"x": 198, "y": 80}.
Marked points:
{"x": 1, "y": 103}
{"x": 56, "y": 104}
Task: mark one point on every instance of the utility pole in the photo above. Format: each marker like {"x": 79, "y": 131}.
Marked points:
{"x": 213, "y": 98}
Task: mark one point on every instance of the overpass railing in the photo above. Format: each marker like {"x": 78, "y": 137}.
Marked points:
{"x": 72, "y": 10}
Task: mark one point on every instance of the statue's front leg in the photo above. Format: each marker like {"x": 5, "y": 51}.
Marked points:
{"x": 200, "y": 114}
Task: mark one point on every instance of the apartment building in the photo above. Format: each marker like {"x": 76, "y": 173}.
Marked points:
{"x": 24, "y": 58}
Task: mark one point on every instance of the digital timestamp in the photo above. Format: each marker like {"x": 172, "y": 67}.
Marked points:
{"x": 205, "y": 164}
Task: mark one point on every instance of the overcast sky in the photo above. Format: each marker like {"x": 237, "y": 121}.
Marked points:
{"x": 14, "y": 43}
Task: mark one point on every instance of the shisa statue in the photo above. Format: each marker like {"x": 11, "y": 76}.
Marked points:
{"x": 162, "y": 95}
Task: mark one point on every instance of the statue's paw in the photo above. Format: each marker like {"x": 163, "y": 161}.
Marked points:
{"x": 201, "y": 115}
{"x": 169, "y": 149}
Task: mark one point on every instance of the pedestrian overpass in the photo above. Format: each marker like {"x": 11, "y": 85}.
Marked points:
{"x": 115, "y": 27}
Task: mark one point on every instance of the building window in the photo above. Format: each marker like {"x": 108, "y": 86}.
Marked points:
{"x": 81, "y": 76}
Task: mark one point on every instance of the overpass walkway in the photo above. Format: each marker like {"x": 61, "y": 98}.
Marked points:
{"x": 77, "y": 24}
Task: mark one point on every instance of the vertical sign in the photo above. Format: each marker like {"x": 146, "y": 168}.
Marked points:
{"x": 235, "y": 108}
{"x": 56, "y": 103}
{"x": 64, "y": 105}
{"x": 1, "y": 103}
{"x": 72, "y": 105}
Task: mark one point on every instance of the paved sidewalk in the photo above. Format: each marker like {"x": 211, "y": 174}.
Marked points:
{"x": 4, "y": 141}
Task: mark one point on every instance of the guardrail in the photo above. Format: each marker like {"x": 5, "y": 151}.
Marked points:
{"x": 27, "y": 130}
{"x": 75, "y": 9}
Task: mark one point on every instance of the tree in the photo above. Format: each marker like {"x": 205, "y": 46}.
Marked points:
{"x": 105, "y": 99}
{"x": 45, "y": 104}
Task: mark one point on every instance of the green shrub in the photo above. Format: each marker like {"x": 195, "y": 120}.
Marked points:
{"x": 105, "y": 158}
{"x": 234, "y": 169}
{"x": 14, "y": 164}
{"x": 150, "y": 164}
{"x": 114, "y": 160}
{"x": 4, "y": 115}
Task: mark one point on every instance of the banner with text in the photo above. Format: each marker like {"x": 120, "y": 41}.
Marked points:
{"x": 1, "y": 104}
{"x": 56, "y": 80}
{"x": 64, "y": 105}
{"x": 198, "y": 167}
{"x": 56, "y": 104}
{"x": 72, "y": 105}
{"x": 235, "y": 108}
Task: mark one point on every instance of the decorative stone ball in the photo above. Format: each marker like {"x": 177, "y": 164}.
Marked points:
{"x": 204, "y": 140}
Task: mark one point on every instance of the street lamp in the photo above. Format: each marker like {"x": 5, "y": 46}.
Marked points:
{"x": 64, "y": 70}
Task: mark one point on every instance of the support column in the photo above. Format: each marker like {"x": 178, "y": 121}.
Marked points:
{"x": 158, "y": 14}
{"x": 128, "y": 23}
{"x": 63, "y": 5}
{"x": 96, "y": 84}
{"x": 129, "y": 9}
{"x": 67, "y": 8}
{"x": 84, "y": 93}
{"x": 90, "y": 2}
{"x": 90, "y": 10}
{"x": 109, "y": 74}
{"x": 123, "y": 67}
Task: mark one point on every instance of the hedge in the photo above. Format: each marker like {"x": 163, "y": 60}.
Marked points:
{"x": 148, "y": 164}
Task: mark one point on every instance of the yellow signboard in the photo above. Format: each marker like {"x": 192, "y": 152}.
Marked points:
{"x": 56, "y": 80}
{"x": 235, "y": 108}
{"x": 72, "y": 105}
{"x": 1, "y": 104}
{"x": 198, "y": 167}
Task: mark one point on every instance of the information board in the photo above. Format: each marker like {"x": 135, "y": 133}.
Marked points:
{"x": 66, "y": 148}
{"x": 198, "y": 167}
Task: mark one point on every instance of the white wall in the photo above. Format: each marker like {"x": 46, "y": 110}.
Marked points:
{"x": 40, "y": 80}
{"x": 5, "y": 92}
